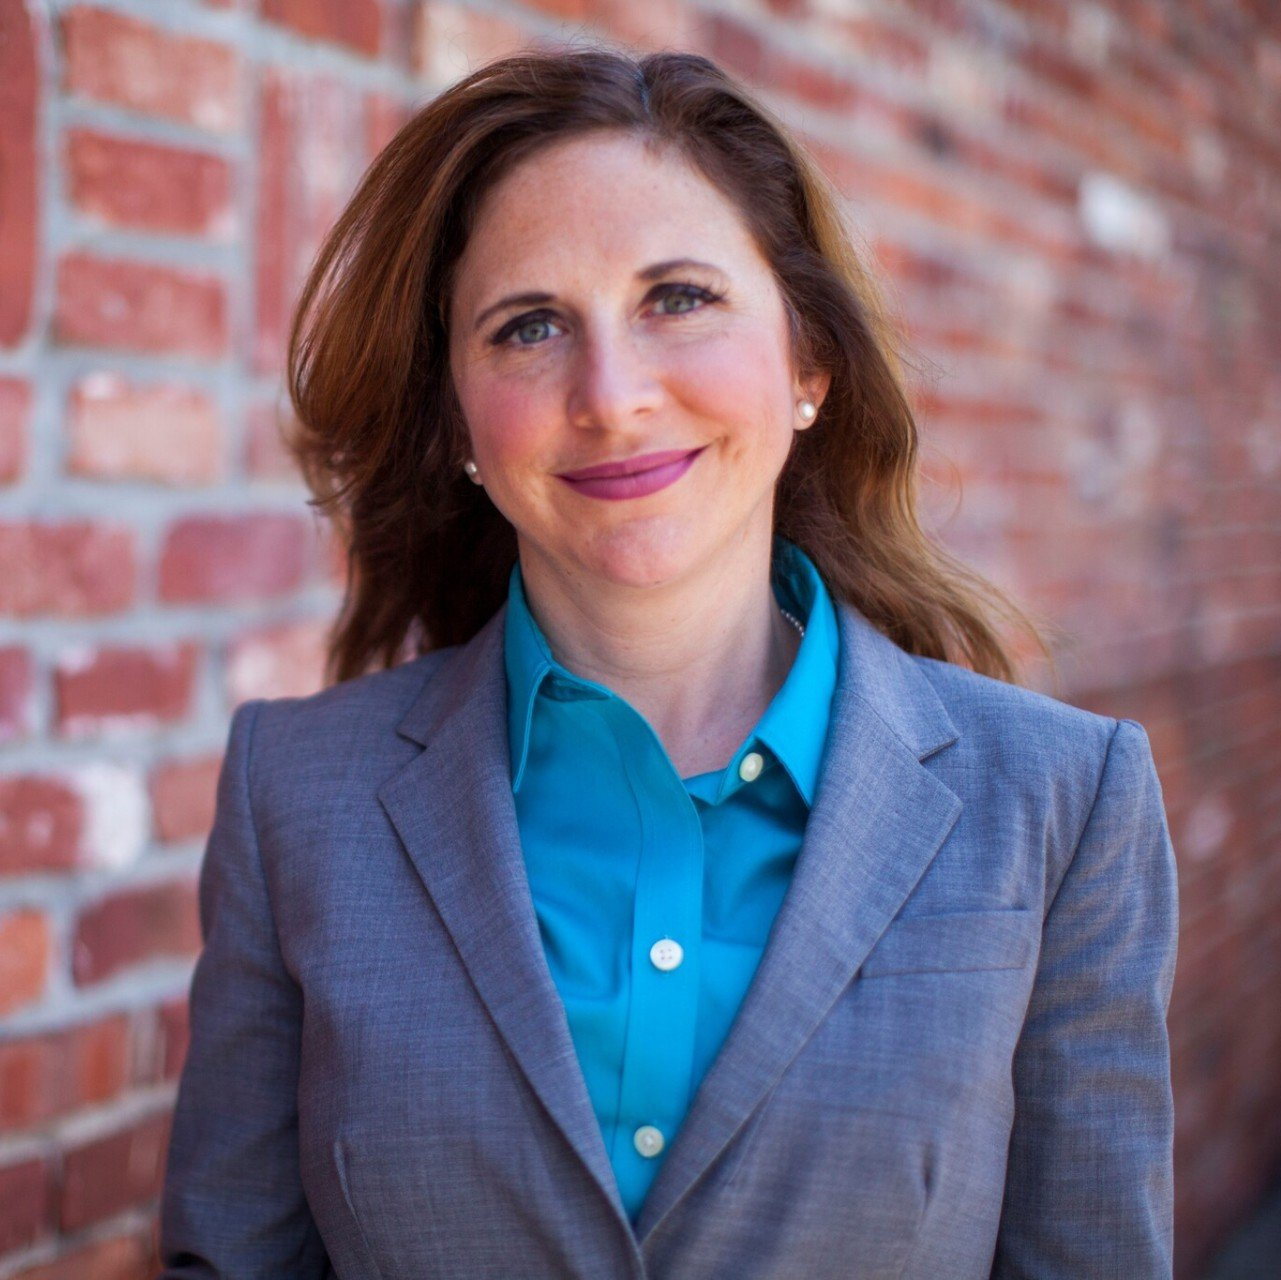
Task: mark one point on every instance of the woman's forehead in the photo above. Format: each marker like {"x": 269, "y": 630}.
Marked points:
{"x": 604, "y": 199}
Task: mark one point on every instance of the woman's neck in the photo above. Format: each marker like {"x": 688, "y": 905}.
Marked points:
{"x": 700, "y": 659}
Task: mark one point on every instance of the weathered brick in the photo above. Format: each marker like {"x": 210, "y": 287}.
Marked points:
{"x": 747, "y": 51}
{"x": 182, "y": 797}
{"x": 658, "y": 24}
{"x": 311, "y": 151}
{"x": 118, "y": 1172}
{"x": 26, "y": 954}
{"x": 134, "y": 925}
{"x": 126, "y": 182}
{"x": 277, "y": 662}
{"x": 355, "y": 23}
{"x": 216, "y": 559}
{"x": 384, "y": 116}
{"x": 175, "y": 1029}
{"x": 78, "y": 568}
{"x": 41, "y": 824}
{"x": 121, "y": 60}
{"x": 138, "y": 306}
{"x": 130, "y": 1257}
{"x": 51, "y": 1075}
{"x": 571, "y": 10}
{"x": 20, "y": 194}
{"x": 124, "y": 687}
{"x": 166, "y": 432}
{"x": 17, "y": 673}
{"x": 26, "y": 1197}
{"x": 15, "y": 414}
{"x": 266, "y": 455}
{"x": 452, "y": 40}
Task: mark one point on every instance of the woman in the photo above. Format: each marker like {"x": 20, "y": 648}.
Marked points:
{"x": 703, "y": 899}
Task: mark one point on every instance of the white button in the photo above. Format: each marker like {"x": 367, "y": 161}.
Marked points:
{"x": 649, "y": 1141}
{"x": 751, "y": 766}
{"x": 666, "y": 954}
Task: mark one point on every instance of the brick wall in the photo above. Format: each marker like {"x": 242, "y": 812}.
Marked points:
{"x": 1077, "y": 208}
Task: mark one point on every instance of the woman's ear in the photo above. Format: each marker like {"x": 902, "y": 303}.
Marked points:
{"x": 812, "y": 391}
{"x": 816, "y": 387}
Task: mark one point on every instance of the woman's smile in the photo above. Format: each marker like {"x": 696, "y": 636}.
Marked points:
{"x": 647, "y": 478}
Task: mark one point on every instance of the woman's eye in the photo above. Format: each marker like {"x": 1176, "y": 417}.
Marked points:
{"x": 684, "y": 297}
{"x": 528, "y": 331}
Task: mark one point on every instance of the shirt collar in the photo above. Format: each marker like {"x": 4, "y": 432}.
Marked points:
{"x": 794, "y": 724}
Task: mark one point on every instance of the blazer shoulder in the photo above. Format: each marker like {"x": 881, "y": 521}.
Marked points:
{"x": 344, "y": 718}
{"x": 1019, "y": 751}
{"x": 987, "y": 708}
{"x": 1026, "y": 744}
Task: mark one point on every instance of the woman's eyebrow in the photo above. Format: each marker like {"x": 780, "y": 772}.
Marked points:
{"x": 512, "y": 300}
{"x": 652, "y": 272}
{"x": 673, "y": 264}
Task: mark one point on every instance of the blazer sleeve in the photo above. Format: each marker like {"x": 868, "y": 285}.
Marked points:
{"x": 1089, "y": 1182}
{"x": 233, "y": 1202}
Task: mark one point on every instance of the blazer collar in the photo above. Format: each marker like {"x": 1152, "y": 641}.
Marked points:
{"x": 879, "y": 816}
{"x": 872, "y": 669}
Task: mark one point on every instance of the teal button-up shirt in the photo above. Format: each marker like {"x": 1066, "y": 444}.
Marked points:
{"x": 622, "y": 853}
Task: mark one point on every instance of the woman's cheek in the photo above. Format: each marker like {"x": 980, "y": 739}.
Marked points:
{"x": 510, "y": 419}
{"x": 731, "y": 379}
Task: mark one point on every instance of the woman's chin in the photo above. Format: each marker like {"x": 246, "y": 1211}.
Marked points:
{"x": 647, "y": 554}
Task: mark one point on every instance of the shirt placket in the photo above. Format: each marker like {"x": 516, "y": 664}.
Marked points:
{"x": 666, "y": 952}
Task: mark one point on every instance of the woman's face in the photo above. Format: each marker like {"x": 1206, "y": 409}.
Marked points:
{"x": 610, "y": 304}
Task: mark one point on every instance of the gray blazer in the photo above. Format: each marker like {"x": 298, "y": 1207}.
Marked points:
{"x": 952, "y": 1061}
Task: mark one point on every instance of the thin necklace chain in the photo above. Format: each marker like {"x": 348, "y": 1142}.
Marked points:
{"x": 793, "y": 619}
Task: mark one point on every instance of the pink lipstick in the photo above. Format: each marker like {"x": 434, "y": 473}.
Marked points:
{"x": 633, "y": 477}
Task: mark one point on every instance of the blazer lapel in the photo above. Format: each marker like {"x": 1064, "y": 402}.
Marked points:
{"x": 879, "y": 816}
{"x": 453, "y": 809}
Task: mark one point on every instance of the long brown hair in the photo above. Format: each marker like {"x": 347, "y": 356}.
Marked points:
{"x": 380, "y": 437}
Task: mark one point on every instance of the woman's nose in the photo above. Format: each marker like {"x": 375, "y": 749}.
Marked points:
{"x": 613, "y": 380}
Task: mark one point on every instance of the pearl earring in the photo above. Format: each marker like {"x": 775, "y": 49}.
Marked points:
{"x": 473, "y": 473}
{"x": 807, "y": 410}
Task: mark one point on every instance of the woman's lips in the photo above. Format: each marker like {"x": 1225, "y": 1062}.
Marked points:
{"x": 639, "y": 483}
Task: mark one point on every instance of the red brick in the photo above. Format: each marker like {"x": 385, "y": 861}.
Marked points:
{"x": 78, "y": 568}
{"x": 182, "y": 797}
{"x": 749, "y": 53}
{"x": 144, "y": 68}
{"x": 41, "y": 824}
{"x": 20, "y": 193}
{"x": 571, "y": 10}
{"x": 134, "y": 925}
{"x": 152, "y": 1038}
{"x": 278, "y": 662}
{"x": 119, "y": 1258}
{"x": 121, "y": 1171}
{"x": 384, "y": 116}
{"x": 310, "y": 157}
{"x": 16, "y": 675}
{"x": 26, "y": 1201}
{"x": 175, "y": 1029}
{"x": 49, "y": 1076}
{"x": 26, "y": 952}
{"x": 355, "y": 23}
{"x": 452, "y": 40}
{"x": 658, "y": 24}
{"x": 15, "y": 414}
{"x": 138, "y": 306}
{"x": 125, "y": 182}
{"x": 214, "y": 559}
{"x": 165, "y": 432}
{"x": 265, "y": 453}
{"x": 134, "y": 687}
